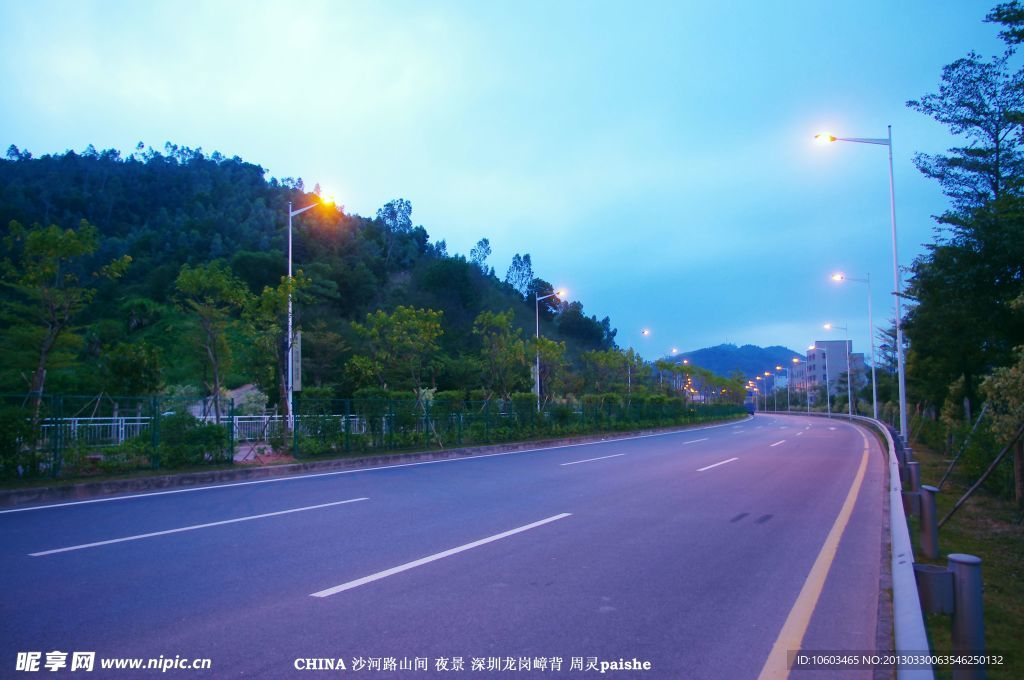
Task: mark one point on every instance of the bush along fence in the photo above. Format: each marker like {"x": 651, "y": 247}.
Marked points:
{"x": 339, "y": 427}
{"x": 69, "y": 436}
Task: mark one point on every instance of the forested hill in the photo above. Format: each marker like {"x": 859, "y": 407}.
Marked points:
{"x": 750, "y": 360}
{"x": 180, "y": 210}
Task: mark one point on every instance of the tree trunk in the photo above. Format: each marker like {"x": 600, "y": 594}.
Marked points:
{"x": 1018, "y": 472}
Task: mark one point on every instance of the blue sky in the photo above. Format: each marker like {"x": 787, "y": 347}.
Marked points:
{"x": 654, "y": 158}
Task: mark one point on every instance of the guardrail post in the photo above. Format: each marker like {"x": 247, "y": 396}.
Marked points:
{"x": 968, "y": 620}
{"x": 914, "y": 470}
{"x": 929, "y": 539}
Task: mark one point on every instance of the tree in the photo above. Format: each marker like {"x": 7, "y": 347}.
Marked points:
{"x": 266, "y": 317}
{"x": 520, "y": 273}
{"x": 961, "y": 324}
{"x": 479, "y": 254}
{"x": 553, "y": 366}
{"x": 399, "y": 346}
{"x": 983, "y": 102}
{"x": 603, "y": 369}
{"x": 503, "y": 351}
{"x": 324, "y": 349}
{"x": 396, "y": 217}
{"x": 1011, "y": 16}
{"x": 44, "y": 279}
{"x": 212, "y": 295}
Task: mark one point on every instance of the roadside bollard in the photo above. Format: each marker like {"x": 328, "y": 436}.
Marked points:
{"x": 968, "y": 613}
{"x": 914, "y": 476}
{"x": 929, "y": 526}
{"x": 911, "y": 503}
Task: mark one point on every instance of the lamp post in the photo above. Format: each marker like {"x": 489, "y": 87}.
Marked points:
{"x": 849, "y": 374}
{"x": 786, "y": 369}
{"x": 536, "y": 382}
{"x": 839, "y": 276}
{"x": 828, "y": 401}
{"x": 775, "y": 391}
{"x": 896, "y": 285}
{"x": 291, "y": 340}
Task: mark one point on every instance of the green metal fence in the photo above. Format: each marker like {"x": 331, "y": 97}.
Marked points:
{"x": 348, "y": 426}
{"x": 71, "y": 436}
{"x": 74, "y": 436}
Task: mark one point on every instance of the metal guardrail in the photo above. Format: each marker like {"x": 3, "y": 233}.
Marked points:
{"x": 909, "y": 633}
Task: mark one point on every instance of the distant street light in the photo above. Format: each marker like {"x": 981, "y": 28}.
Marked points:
{"x": 290, "y": 339}
{"x": 536, "y": 380}
{"x": 849, "y": 375}
{"x": 786, "y": 369}
{"x": 840, "y": 277}
{"x": 896, "y": 285}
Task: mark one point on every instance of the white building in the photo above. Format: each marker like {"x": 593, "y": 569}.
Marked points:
{"x": 830, "y": 356}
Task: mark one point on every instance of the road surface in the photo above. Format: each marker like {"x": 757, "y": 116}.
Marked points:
{"x": 707, "y": 553}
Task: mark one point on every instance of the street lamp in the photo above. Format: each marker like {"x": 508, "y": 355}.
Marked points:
{"x": 828, "y": 401}
{"x": 291, "y": 340}
{"x": 789, "y": 376}
{"x": 775, "y": 392}
{"x": 536, "y": 383}
{"x": 765, "y": 394}
{"x": 786, "y": 369}
{"x": 849, "y": 375}
{"x": 840, "y": 277}
{"x": 896, "y": 285}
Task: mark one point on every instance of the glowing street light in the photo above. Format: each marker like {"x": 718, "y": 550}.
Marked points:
{"x": 839, "y": 277}
{"x": 826, "y": 138}
{"x": 560, "y": 294}
{"x": 290, "y": 339}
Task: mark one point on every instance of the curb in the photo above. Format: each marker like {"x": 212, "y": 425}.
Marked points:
{"x": 86, "y": 490}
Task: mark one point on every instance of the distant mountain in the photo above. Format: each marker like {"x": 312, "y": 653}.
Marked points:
{"x": 750, "y": 360}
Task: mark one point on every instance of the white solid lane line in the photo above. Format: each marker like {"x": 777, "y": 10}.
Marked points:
{"x": 694, "y": 441}
{"x": 191, "y": 528}
{"x": 708, "y": 467}
{"x": 433, "y": 558}
{"x": 587, "y": 460}
{"x": 781, "y": 441}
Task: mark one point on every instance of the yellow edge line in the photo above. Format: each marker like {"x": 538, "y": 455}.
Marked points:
{"x": 792, "y": 634}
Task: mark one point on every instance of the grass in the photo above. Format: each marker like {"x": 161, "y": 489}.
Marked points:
{"x": 988, "y": 526}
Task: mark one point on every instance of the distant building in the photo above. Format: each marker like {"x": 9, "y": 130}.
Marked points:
{"x": 830, "y": 356}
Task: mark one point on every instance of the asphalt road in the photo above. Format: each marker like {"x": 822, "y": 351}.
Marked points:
{"x": 699, "y": 552}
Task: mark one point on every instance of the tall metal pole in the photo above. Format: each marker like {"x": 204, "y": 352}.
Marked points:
{"x": 536, "y": 383}
{"x": 828, "y": 401}
{"x": 849, "y": 373}
{"x": 897, "y": 290}
{"x": 291, "y": 417}
{"x": 874, "y": 383}
{"x": 788, "y": 376}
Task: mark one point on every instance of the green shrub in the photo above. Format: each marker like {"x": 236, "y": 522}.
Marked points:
{"x": 131, "y": 454}
{"x": 17, "y": 443}
{"x": 185, "y": 441}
